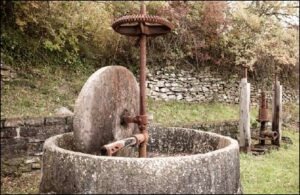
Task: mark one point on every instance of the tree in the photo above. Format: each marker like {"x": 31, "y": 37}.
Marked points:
{"x": 261, "y": 41}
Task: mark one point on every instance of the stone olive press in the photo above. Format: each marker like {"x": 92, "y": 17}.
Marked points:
{"x": 110, "y": 115}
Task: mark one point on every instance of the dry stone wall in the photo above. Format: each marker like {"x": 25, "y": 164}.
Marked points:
{"x": 22, "y": 141}
{"x": 205, "y": 86}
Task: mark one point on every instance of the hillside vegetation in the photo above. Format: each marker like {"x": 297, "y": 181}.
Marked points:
{"x": 225, "y": 35}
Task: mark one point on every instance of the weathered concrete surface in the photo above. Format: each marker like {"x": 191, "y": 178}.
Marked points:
{"x": 210, "y": 165}
{"x": 101, "y": 102}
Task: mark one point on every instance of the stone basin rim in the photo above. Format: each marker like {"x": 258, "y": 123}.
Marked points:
{"x": 52, "y": 145}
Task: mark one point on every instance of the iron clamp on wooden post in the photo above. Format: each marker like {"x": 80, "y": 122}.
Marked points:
{"x": 141, "y": 26}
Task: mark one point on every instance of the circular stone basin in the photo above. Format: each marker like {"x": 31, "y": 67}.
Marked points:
{"x": 180, "y": 161}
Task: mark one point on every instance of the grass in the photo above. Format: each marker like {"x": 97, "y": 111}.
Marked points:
{"x": 28, "y": 183}
{"x": 181, "y": 113}
{"x": 274, "y": 173}
{"x": 40, "y": 91}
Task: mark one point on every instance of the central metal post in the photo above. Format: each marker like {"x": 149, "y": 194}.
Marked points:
{"x": 263, "y": 117}
{"x": 143, "y": 53}
{"x": 143, "y": 26}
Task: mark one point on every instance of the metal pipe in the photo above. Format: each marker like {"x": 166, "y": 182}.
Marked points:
{"x": 270, "y": 134}
{"x": 143, "y": 53}
{"x": 114, "y": 147}
{"x": 261, "y": 134}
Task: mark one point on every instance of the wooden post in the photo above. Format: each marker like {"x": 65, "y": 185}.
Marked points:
{"x": 244, "y": 122}
{"x": 277, "y": 112}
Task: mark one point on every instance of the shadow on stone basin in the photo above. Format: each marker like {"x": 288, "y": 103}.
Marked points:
{"x": 184, "y": 161}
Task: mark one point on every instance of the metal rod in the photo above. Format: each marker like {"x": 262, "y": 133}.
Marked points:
{"x": 270, "y": 134}
{"x": 114, "y": 147}
{"x": 143, "y": 53}
{"x": 261, "y": 134}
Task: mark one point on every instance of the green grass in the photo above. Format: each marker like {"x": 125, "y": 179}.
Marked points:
{"x": 175, "y": 113}
{"x": 181, "y": 113}
{"x": 39, "y": 91}
{"x": 274, "y": 173}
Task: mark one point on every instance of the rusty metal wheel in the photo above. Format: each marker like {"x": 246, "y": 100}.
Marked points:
{"x": 137, "y": 25}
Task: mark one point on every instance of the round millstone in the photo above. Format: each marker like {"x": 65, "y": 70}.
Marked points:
{"x": 98, "y": 109}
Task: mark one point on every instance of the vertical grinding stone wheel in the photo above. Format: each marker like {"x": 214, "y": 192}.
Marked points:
{"x": 98, "y": 109}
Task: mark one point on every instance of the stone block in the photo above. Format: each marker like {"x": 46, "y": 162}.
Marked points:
{"x": 13, "y": 147}
{"x": 25, "y": 168}
{"x": 29, "y": 131}
{"x": 33, "y": 148}
{"x": 8, "y": 132}
{"x": 160, "y": 84}
{"x": 48, "y": 131}
{"x": 179, "y": 97}
{"x": 55, "y": 120}
{"x": 164, "y": 96}
{"x": 164, "y": 90}
{"x": 13, "y": 122}
{"x": 178, "y": 89}
{"x": 170, "y": 93}
{"x": 36, "y": 166}
{"x": 175, "y": 84}
{"x": 31, "y": 160}
{"x": 205, "y": 89}
{"x": 38, "y": 121}
{"x": 171, "y": 97}
{"x": 14, "y": 161}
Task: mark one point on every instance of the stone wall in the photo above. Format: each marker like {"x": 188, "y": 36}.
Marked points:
{"x": 170, "y": 83}
{"x": 22, "y": 139}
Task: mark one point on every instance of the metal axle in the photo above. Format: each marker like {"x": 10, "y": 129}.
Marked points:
{"x": 142, "y": 26}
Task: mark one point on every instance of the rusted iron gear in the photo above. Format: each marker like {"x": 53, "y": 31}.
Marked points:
{"x": 152, "y": 25}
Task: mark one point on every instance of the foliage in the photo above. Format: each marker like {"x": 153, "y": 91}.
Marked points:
{"x": 216, "y": 33}
{"x": 196, "y": 38}
{"x": 262, "y": 42}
